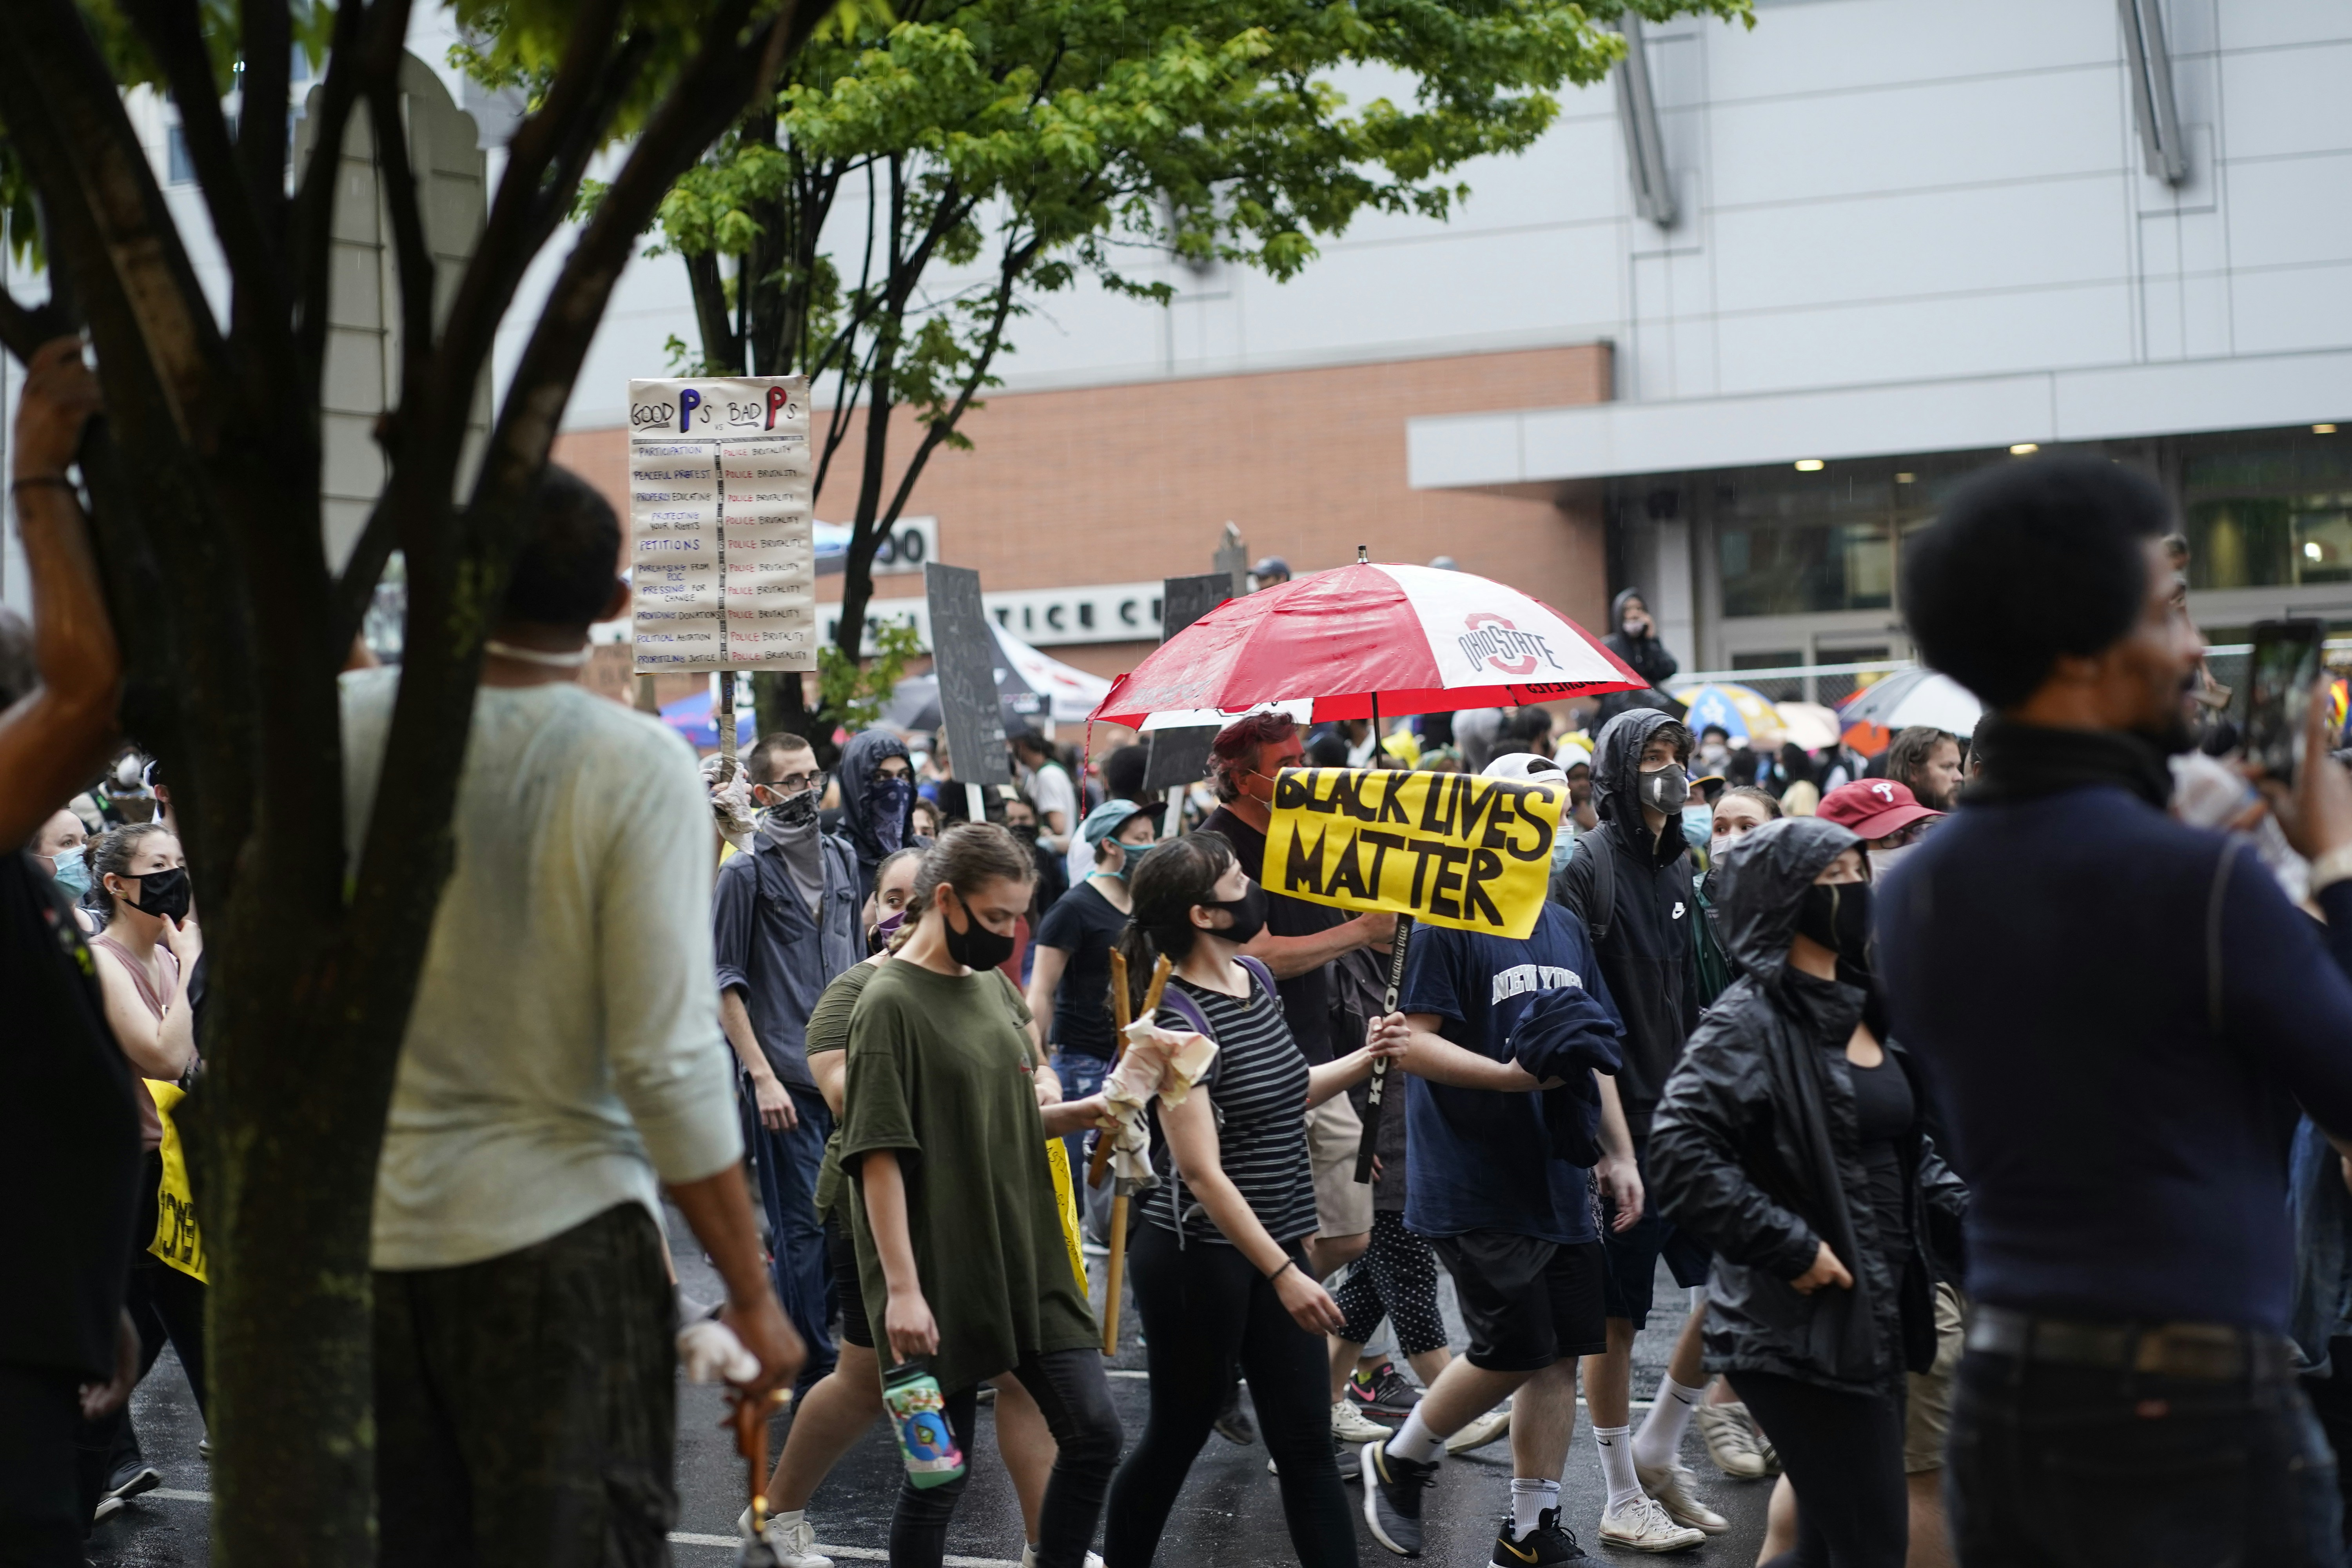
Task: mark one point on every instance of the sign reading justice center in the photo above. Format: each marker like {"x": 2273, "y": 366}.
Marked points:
{"x": 721, "y": 549}
{"x": 1451, "y": 850}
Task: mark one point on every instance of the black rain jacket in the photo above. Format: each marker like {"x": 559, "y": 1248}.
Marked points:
{"x": 1646, "y": 955}
{"x": 1755, "y": 1149}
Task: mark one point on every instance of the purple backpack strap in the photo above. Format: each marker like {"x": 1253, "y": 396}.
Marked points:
{"x": 1188, "y": 1010}
{"x": 1265, "y": 976}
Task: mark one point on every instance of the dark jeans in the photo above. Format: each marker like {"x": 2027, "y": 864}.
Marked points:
{"x": 166, "y": 1306}
{"x": 51, "y": 1472}
{"x": 1070, "y": 1389}
{"x": 1843, "y": 1456}
{"x": 525, "y": 1405}
{"x": 1205, "y": 1306}
{"x": 2331, "y": 1401}
{"x": 2084, "y": 1467}
{"x": 1082, "y": 1076}
{"x": 785, "y": 1167}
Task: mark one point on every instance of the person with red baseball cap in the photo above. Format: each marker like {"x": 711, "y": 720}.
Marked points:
{"x": 1882, "y": 812}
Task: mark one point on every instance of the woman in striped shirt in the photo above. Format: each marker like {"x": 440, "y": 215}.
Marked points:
{"x": 1218, "y": 1261}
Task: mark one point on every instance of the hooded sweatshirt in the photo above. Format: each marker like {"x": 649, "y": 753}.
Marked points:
{"x": 874, "y": 842}
{"x": 1644, "y": 656}
{"x": 1646, "y": 955}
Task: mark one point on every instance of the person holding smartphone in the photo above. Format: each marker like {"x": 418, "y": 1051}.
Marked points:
{"x": 2129, "y": 1242}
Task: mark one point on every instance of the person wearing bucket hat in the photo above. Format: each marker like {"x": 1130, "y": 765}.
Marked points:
{"x": 1069, "y": 984}
{"x": 1882, "y": 812}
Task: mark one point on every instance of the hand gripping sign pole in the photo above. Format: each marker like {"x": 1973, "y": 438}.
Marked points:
{"x": 1117, "y": 1264}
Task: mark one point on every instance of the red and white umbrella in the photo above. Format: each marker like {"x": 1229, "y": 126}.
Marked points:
{"x": 1366, "y": 639}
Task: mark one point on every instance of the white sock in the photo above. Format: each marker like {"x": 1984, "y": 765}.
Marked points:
{"x": 1529, "y": 1498}
{"x": 1617, "y": 1464}
{"x": 1660, "y": 1441}
{"x": 1415, "y": 1442}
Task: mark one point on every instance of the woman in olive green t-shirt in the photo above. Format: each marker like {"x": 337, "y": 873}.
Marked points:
{"x": 954, "y": 1201}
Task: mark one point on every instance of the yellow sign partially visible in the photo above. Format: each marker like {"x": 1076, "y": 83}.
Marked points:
{"x": 177, "y": 1241}
{"x": 1452, "y": 849}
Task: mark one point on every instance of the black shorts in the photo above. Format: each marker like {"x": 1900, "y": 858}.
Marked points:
{"x": 848, "y": 1289}
{"x": 1528, "y": 1303}
{"x": 1633, "y": 1256}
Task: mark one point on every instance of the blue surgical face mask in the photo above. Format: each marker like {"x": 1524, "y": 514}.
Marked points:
{"x": 1698, "y": 823}
{"x": 73, "y": 871}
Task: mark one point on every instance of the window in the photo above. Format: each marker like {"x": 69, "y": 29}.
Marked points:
{"x": 1802, "y": 569}
{"x": 2268, "y": 510}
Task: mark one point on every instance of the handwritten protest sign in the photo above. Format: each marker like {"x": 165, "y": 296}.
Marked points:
{"x": 722, "y": 549}
{"x": 1452, "y": 849}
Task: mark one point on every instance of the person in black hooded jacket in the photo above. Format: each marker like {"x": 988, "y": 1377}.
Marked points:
{"x": 877, "y": 800}
{"x": 1633, "y": 637}
{"x": 1791, "y": 1140}
{"x": 1630, "y": 883}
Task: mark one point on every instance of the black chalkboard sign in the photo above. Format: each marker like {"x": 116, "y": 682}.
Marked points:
{"x": 1181, "y": 756}
{"x": 964, "y": 655}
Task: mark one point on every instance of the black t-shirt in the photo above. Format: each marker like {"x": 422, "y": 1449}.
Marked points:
{"x": 70, "y": 1158}
{"x": 1084, "y": 924}
{"x": 1305, "y": 998}
{"x": 1886, "y": 1115}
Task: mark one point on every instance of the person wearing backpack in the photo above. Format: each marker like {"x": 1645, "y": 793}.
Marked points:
{"x": 1218, "y": 1259}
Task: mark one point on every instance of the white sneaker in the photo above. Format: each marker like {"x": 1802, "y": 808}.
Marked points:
{"x": 1350, "y": 1425}
{"x": 1029, "y": 1558}
{"x": 793, "y": 1541}
{"x": 1730, "y": 1441}
{"x": 1493, "y": 1424}
{"x": 1676, "y": 1490}
{"x": 1641, "y": 1524}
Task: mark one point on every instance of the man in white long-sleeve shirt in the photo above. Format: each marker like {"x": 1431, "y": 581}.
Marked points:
{"x": 563, "y": 1061}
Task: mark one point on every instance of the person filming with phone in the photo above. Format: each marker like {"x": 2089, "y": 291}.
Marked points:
{"x": 2121, "y": 1100}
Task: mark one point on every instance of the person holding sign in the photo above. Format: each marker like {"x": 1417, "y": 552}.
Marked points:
{"x": 961, "y": 1255}
{"x": 1494, "y": 1027}
{"x": 1300, "y": 941}
{"x": 1219, "y": 1260}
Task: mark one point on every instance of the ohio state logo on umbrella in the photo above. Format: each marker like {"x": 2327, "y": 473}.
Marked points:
{"x": 1494, "y": 641}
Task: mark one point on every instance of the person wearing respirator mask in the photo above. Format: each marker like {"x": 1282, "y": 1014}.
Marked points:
{"x": 1645, "y": 943}
{"x": 1883, "y": 814}
{"x": 785, "y": 922}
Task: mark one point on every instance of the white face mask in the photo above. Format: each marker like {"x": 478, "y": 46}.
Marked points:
{"x": 1884, "y": 860}
{"x": 1718, "y": 844}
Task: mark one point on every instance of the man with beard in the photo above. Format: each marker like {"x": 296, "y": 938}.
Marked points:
{"x": 1927, "y": 760}
{"x": 2121, "y": 1011}
{"x": 785, "y": 921}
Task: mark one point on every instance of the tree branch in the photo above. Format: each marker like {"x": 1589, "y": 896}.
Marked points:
{"x": 313, "y": 239}
{"x": 175, "y": 37}
{"x": 415, "y": 258}
{"x": 267, "y": 40}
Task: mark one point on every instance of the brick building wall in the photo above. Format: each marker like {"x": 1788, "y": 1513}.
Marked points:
{"x": 1113, "y": 484}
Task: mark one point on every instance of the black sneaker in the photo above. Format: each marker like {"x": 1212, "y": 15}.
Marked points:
{"x": 1233, "y": 1424}
{"x": 1393, "y": 1490}
{"x": 1385, "y": 1393}
{"x": 1340, "y": 1454}
{"x": 1548, "y": 1543}
{"x": 130, "y": 1478}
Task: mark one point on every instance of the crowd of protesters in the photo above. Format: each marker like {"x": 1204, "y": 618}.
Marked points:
{"x": 1981, "y": 1097}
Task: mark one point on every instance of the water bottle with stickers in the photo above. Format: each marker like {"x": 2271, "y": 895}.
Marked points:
{"x": 919, "y": 1415}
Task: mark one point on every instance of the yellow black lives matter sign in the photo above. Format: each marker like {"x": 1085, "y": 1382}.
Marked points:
{"x": 1453, "y": 849}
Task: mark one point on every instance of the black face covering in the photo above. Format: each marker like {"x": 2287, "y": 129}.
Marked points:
{"x": 793, "y": 810}
{"x": 1025, "y": 831}
{"x": 975, "y": 947}
{"x": 1837, "y": 915}
{"x": 1248, "y": 912}
{"x": 164, "y": 893}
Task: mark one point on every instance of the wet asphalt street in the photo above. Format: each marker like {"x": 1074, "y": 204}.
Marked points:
{"x": 1230, "y": 1514}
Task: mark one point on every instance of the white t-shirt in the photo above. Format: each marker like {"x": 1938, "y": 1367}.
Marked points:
{"x": 563, "y": 1053}
{"x": 1049, "y": 789}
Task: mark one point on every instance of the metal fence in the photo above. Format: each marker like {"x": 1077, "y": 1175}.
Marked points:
{"x": 1831, "y": 684}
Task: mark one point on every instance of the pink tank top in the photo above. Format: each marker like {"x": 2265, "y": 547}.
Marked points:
{"x": 150, "y": 1124}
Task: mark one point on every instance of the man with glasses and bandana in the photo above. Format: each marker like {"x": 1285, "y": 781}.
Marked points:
{"x": 785, "y": 922}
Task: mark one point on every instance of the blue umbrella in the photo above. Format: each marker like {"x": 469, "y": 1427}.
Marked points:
{"x": 692, "y": 716}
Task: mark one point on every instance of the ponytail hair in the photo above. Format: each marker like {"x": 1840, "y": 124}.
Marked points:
{"x": 1172, "y": 877}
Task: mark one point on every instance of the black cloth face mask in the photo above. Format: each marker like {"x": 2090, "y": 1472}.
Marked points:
{"x": 1837, "y": 915}
{"x": 1025, "y": 831}
{"x": 164, "y": 893}
{"x": 1248, "y": 912}
{"x": 793, "y": 810}
{"x": 975, "y": 947}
